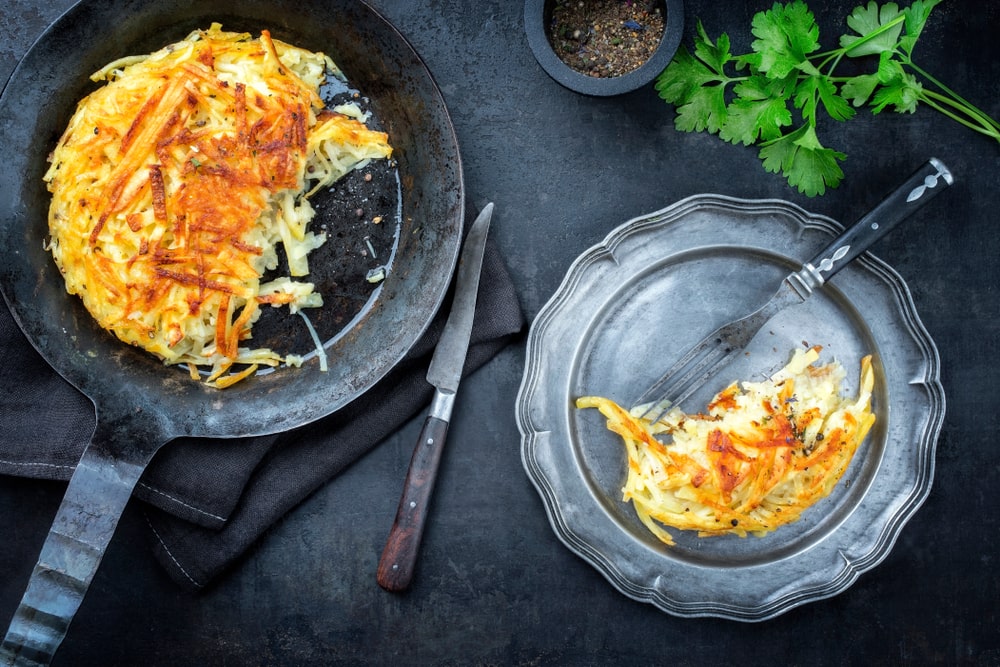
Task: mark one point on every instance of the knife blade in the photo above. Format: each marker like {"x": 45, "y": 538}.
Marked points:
{"x": 395, "y": 567}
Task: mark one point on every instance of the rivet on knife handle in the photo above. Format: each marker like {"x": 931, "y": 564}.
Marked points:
{"x": 399, "y": 557}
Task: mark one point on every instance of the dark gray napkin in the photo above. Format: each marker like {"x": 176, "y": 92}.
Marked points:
{"x": 209, "y": 500}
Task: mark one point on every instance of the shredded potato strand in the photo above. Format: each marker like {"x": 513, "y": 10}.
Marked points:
{"x": 762, "y": 454}
{"x": 176, "y": 180}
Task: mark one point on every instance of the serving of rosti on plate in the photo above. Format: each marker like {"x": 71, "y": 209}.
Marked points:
{"x": 761, "y": 454}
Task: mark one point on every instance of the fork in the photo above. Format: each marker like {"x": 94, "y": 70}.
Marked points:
{"x": 707, "y": 357}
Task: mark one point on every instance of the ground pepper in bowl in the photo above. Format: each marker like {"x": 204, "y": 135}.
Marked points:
{"x": 605, "y": 38}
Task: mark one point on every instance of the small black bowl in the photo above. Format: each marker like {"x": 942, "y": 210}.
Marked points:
{"x": 538, "y": 15}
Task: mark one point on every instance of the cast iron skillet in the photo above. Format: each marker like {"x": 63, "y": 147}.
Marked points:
{"x": 142, "y": 404}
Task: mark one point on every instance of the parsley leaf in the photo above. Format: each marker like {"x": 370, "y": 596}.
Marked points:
{"x": 878, "y": 29}
{"x": 916, "y": 17}
{"x": 696, "y": 84}
{"x": 758, "y": 112}
{"x": 714, "y": 54}
{"x": 859, "y": 89}
{"x": 814, "y": 90}
{"x": 683, "y": 78}
{"x": 901, "y": 91}
{"x": 786, "y": 35}
{"x": 807, "y": 164}
{"x": 704, "y": 110}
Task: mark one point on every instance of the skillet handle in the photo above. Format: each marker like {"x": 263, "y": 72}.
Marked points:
{"x": 94, "y": 501}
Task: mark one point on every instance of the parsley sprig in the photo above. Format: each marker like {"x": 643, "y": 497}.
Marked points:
{"x": 774, "y": 96}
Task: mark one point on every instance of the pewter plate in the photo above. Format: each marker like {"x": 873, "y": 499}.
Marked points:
{"x": 629, "y": 306}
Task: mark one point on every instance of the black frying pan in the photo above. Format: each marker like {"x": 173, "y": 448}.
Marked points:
{"x": 142, "y": 404}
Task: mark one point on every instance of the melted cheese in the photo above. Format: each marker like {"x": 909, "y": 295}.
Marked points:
{"x": 761, "y": 454}
{"x": 175, "y": 182}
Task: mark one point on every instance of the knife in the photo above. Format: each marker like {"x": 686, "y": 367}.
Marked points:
{"x": 395, "y": 568}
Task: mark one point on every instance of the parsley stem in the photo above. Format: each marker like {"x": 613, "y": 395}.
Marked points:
{"x": 831, "y": 60}
{"x": 932, "y": 99}
{"x": 955, "y": 99}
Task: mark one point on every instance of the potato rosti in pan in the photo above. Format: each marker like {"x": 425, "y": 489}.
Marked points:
{"x": 177, "y": 180}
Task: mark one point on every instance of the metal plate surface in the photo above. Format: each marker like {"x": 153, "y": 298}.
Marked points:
{"x": 632, "y": 304}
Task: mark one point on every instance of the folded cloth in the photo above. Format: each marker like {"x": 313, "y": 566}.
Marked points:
{"x": 209, "y": 500}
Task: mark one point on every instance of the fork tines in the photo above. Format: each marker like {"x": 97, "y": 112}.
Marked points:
{"x": 685, "y": 376}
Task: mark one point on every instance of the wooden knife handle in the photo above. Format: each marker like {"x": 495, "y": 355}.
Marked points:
{"x": 395, "y": 568}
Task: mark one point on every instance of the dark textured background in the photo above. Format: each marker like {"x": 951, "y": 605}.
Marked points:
{"x": 494, "y": 585}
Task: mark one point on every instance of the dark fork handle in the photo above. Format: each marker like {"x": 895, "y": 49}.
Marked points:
{"x": 917, "y": 190}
